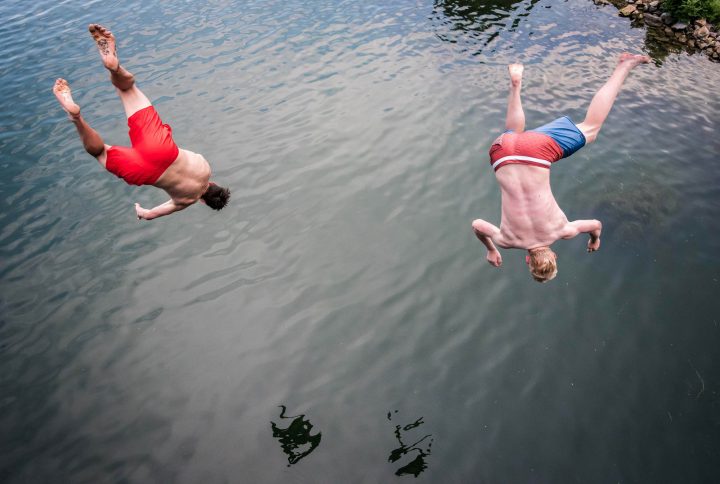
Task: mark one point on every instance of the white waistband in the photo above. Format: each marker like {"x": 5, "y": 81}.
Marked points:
{"x": 521, "y": 158}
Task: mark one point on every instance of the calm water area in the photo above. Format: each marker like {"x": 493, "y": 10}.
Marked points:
{"x": 338, "y": 322}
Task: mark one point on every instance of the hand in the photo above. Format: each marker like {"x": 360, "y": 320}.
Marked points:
{"x": 593, "y": 245}
{"x": 139, "y": 211}
{"x": 494, "y": 258}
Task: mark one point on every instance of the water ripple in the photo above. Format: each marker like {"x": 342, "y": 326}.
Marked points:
{"x": 343, "y": 280}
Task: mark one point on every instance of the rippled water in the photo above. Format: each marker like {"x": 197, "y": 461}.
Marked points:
{"x": 338, "y": 322}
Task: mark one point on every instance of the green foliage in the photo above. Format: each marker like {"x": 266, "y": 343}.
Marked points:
{"x": 693, "y": 9}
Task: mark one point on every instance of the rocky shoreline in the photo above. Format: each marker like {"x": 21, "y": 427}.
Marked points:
{"x": 695, "y": 36}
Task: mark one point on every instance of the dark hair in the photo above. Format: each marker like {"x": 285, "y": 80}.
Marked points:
{"x": 216, "y": 197}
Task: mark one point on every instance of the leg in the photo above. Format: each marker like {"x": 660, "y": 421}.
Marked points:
{"x": 92, "y": 142}
{"x": 605, "y": 97}
{"x": 132, "y": 98}
{"x": 515, "y": 118}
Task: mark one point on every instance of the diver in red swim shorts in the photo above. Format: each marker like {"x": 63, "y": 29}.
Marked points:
{"x": 531, "y": 218}
{"x": 153, "y": 158}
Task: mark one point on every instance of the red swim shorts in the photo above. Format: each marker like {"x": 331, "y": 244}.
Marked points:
{"x": 153, "y": 150}
{"x": 526, "y": 148}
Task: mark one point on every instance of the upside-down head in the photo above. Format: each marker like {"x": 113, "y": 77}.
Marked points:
{"x": 216, "y": 197}
{"x": 542, "y": 262}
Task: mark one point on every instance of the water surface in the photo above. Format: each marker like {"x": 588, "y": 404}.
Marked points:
{"x": 342, "y": 294}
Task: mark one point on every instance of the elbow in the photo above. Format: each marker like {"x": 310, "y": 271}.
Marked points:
{"x": 479, "y": 226}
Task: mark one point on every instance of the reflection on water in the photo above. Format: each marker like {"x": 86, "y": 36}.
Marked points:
{"x": 422, "y": 446}
{"x": 477, "y": 23}
{"x": 477, "y": 26}
{"x": 295, "y": 439}
{"x": 658, "y": 44}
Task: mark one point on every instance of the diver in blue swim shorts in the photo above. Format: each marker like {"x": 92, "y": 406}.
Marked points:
{"x": 531, "y": 218}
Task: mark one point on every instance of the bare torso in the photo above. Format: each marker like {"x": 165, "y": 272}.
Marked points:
{"x": 531, "y": 217}
{"x": 187, "y": 178}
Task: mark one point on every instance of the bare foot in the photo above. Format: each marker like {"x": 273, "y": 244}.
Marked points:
{"x": 516, "y": 72}
{"x": 105, "y": 41}
{"x": 632, "y": 60}
{"x": 61, "y": 89}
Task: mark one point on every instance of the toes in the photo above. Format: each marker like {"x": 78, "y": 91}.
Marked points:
{"x": 104, "y": 31}
{"x": 61, "y": 86}
{"x": 99, "y": 32}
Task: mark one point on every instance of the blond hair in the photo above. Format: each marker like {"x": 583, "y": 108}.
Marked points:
{"x": 543, "y": 264}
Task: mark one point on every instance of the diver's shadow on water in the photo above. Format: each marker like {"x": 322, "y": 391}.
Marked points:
{"x": 295, "y": 439}
{"x": 421, "y": 448}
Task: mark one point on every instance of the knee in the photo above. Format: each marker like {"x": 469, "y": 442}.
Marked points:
{"x": 95, "y": 151}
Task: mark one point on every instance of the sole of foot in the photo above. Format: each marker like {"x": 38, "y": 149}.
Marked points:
{"x": 516, "y": 72}
{"x": 62, "y": 92}
{"x": 105, "y": 41}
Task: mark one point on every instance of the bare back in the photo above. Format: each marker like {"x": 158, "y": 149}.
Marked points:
{"x": 187, "y": 178}
{"x": 530, "y": 215}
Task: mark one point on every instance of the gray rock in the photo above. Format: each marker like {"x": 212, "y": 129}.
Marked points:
{"x": 654, "y": 4}
{"x": 677, "y": 26}
{"x": 668, "y": 30}
{"x": 667, "y": 18}
{"x": 691, "y": 43}
{"x": 653, "y": 20}
{"x": 682, "y": 38}
{"x": 701, "y": 22}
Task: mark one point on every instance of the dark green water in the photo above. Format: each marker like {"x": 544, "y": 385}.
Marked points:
{"x": 344, "y": 283}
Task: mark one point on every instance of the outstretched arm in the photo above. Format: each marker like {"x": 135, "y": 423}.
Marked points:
{"x": 485, "y": 231}
{"x": 160, "y": 211}
{"x": 591, "y": 227}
